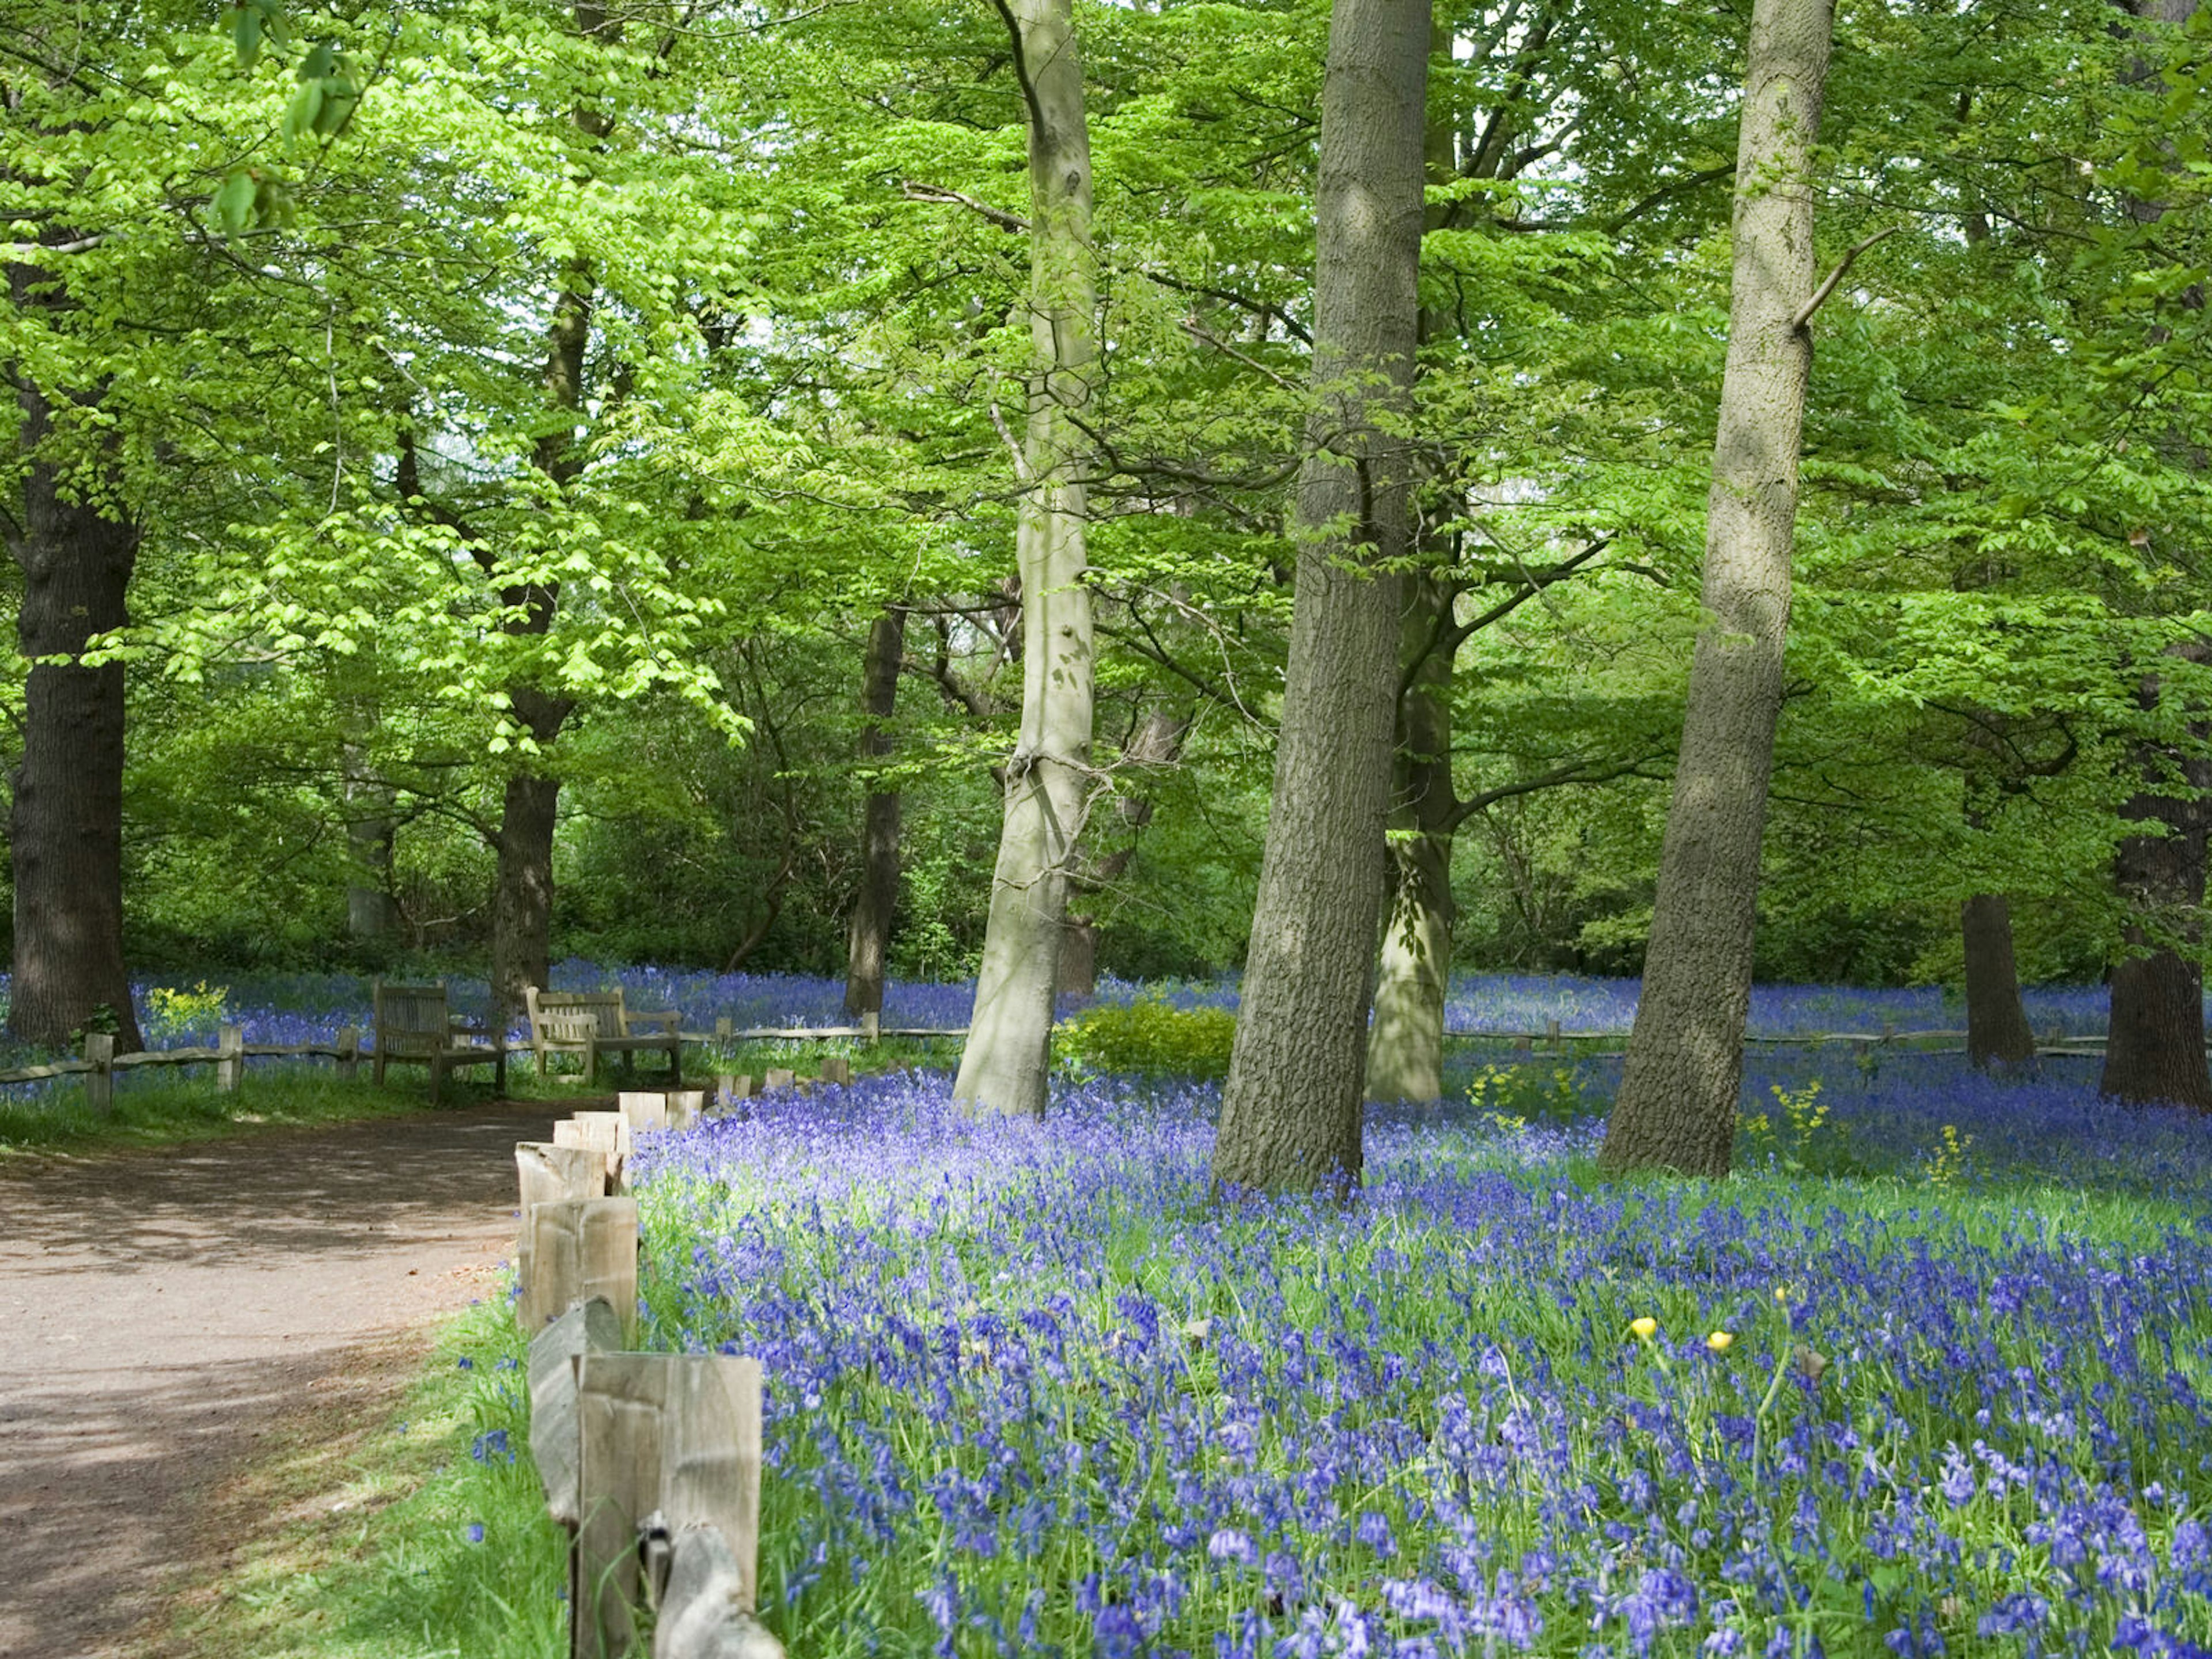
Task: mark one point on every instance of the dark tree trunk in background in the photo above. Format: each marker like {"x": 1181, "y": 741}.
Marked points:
{"x": 868, "y": 934}
{"x": 372, "y": 911}
{"x": 2155, "y": 1048}
{"x": 522, "y": 890}
{"x": 1155, "y": 744}
{"x": 77, "y": 552}
{"x": 1677, "y": 1106}
{"x": 1290, "y": 1110}
{"x": 1998, "y": 1034}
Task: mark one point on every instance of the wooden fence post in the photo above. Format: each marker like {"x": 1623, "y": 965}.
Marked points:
{"x": 778, "y": 1078}
{"x": 100, "y": 1081}
{"x": 1552, "y": 1034}
{"x": 642, "y": 1110}
{"x": 604, "y": 1133}
{"x": 578, "y": 1249}
{"x": 230, "y": 1059}
{"x": 349, "y": 1053}
{"x": 724, "y": 1028}
{"x": 872, "y": 1027}
{"x": 548, "y": 1174}
{"x": 836, "y": 1068}
{"x": 672, "y": 1443}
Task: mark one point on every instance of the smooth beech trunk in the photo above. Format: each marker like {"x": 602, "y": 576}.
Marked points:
{"x": 1998, "y": 1034}
{"x": 1406, "y": 1043}
{"x": 76, "y": 550}
{"x": 1004, "y": 1065}
{"x": 1677, "y": 1106}
{"x": 1290, "y": 1110}
{"x": 868, "y": 930}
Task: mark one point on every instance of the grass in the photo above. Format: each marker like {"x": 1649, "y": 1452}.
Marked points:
{"x": 371, "y": 1553}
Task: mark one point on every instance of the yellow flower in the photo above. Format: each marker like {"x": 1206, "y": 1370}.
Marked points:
{"x": 1645, "y": 1328}
{"x": 1781, "y": 1292}
{"x": 1718, "y": 1341}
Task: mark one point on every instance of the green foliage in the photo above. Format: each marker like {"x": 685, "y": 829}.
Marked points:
{"x": 171, "y": 1011}
{"x": 1148, "y": 1036}
{"x": 1803, "y": 1140}
{"x": 1513, "y": 1097}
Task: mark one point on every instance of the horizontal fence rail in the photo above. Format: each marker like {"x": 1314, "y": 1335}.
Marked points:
{"x": 350, "y": 1048}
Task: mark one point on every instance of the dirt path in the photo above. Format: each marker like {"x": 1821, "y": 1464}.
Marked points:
{"x": 159, "y": 1311}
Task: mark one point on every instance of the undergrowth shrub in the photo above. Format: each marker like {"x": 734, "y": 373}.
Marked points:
{"x": 1148, "y": 1036}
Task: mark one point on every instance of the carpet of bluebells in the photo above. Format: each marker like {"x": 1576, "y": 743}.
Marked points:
{"x": 186, "y": 1011}
{"x": 1031, "y": 1393}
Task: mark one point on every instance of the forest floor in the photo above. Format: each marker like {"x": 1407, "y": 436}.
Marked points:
{"x": 173, "y": 1314}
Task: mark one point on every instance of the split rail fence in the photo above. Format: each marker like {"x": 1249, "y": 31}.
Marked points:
{"x": 100, "y": 1062}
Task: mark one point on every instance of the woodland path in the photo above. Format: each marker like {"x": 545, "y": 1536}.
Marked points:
{"x": 160, "y": 1311}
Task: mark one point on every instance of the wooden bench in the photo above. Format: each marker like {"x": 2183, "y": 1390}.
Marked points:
{"x": 416, "y": 1026}
{"x": 595, "y": 1023}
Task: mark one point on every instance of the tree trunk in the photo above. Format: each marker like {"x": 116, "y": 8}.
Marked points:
{"x": 1998, "y": 1034}
{"x": 2154, "y": 1050}
{"x": 76, "y": 548}
{"x": 522, "y": 891}
{"x": 1005, "y": 1064}
{"x": 372, "y": 911}
{"x": 1677, "y": 1106}
{"x": 1406, "y": 1044}
{"x": 1290, "y": 1108}
{"x": 868, "y": 934}
{"x": 1156, "y": 743}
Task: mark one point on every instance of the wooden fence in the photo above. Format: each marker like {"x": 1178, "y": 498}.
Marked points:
{"x": 651, "y": 1460}
{"x": 100, "y": 1062}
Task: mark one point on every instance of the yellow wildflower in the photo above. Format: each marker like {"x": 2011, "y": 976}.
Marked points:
{"x": 1718, "y": 1341}
{"x": 1645, "y": 1328}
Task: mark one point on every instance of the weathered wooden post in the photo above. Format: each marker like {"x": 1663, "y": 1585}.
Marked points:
{"x": 604, "y": 1133}
{"x": 872, "y": 1027}
{"x": 836, "y": 1068}
{"x": 551, "y": 1174}
{"x": 669, "y": 1445}
{"x": 686, "y": 1107}
{"x": 577, "y": 1249}
{"x": 778, "y": 1078}
{"x": 230, "y": 1059}
{"x": 725, "y": 1031}
{"x": 642, "y": 1110}
{"x": 100, "y": 1081}
{"x": 349, "y": 1053}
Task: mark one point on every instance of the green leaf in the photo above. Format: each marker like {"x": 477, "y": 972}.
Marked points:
{"x": 305, "y": 111}
{"x": 319, "y": 62}
{"x": 233, "y": 201}
{"x": 246, "y": 30}
{"x": 339, "y": 96}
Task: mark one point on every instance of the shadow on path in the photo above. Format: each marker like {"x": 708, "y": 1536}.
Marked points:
{"x": 163, "y": 1307}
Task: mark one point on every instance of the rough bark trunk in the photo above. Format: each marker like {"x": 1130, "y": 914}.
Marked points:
{"x": 1290, "y": 1108}
{"x": 868, "y": 933}
{"x": 2155, "y": 1048}
{"x": 1406, "y": 1043}
{"x": 76, "y": 548}
{"x": 1006, "y": 1063}
{"x": 1998, "y": 1034}
{"x": 1677, "y": 1106}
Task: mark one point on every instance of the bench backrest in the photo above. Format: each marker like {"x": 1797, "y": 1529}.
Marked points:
{"x": 573, "y": 1016}
{"x": 411, "y": 1019}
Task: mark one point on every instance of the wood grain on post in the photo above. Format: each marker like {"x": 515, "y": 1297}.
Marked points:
{"x": 837, "y": 1068}
{"x": 230, "y": 1061}
{"x": 552, "y": 1174}
{"x": 675, "y": 1440}
{"x": 588, "y": 1327}
{"x": 686, "y": 1107}
{"x": 778, "y": 1078}
{"x": 872, "y": 1027}
{"x": 604, "y": 1133}
{"x": 578, "y": 1249}
{"x": 100, "y": 1081}
{"x": 349, "y": 1053}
